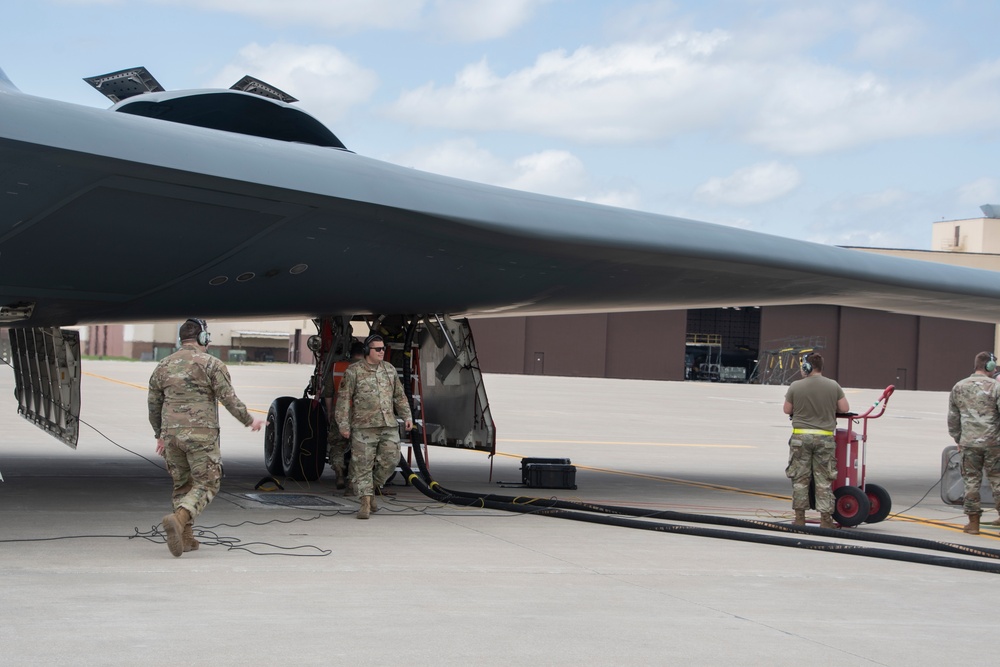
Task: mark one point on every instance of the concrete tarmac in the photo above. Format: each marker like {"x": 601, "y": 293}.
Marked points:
{"x": 86, "y": 580}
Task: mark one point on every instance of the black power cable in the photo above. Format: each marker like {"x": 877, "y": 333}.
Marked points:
{"x": 610, "y": 515}
{"x": 212, "y": 539}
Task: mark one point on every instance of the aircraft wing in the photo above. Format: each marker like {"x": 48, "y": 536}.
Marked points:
{"x": 112, "y": 217}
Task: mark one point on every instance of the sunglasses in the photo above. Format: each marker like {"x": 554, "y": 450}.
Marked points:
{"x": 377, "y": 349}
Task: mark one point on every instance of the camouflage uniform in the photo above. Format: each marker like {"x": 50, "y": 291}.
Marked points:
{"x": 974, "y": 424}
{"x": 812, "y": 448}
{"x": 337, "y": 445}
{"x": 368, "y": 394}
{"x": 812, "y": 457}
{"x": 184, "y": 392}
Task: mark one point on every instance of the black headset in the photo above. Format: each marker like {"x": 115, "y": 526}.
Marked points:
{"x": 991, "y": 365}
{"x": 368, "y": 343}
{"x": 204, "y": 338}
{"x": 807, "y": 368}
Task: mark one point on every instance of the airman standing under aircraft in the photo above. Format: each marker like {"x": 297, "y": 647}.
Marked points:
{"x": 185, "y": 390}
{"x": 368, "y": 395}
{"x": 337, "y": 444}
{"x": 812, "y": 403}
{"x": 974, "y": 424}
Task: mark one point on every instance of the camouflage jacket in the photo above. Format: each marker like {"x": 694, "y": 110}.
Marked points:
{"x": 186, "y": 388}
{"x": 974, "y": 412}
{"x": 368, "y": 395}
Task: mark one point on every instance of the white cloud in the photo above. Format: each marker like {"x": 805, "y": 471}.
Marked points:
{"x": 883, "y": 32}
{"x": 816, "y": 110}
{"x": 874, "y": 201}
{"x": 337, "y": 15}
{"x": 552, "y": 172}
{"x": 476, "y": 20}
{"x": 459, "y": 20}
{"x": 328, "y": 82}
{"x": 981, "y": 191}
{"x": 755, "y": 184}
{"x": 624, "y": 92}
{"x": 460, "y": 158}
{"x": 769, "y": 91}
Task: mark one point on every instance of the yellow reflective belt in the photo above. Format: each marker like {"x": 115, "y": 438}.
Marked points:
{"x": 811, "y": 431}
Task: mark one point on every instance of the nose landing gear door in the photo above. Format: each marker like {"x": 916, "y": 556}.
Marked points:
{"x": 456, "y": 409}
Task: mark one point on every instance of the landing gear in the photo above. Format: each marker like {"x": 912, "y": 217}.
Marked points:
{"x": 303, "y": 440}
{"x": 272, "y": 434}
{"x": 451, "y": 410}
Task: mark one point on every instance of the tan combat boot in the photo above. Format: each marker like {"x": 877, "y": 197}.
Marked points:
{"x": 365, "y": 510}
{"x": 373, "y": 504}
{"x": 826, "y": 521}
{"x": 993, "y": 523}
{"x": 338, "y": 469}
{"x": 800, "y": 518}
{"x": 972, "y": 528}
{"x": 173, "y": 526}
{"x": 190, "y": 544}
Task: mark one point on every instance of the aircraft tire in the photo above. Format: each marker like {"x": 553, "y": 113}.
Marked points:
{"x": 272, "y": 434}
{"x": 879, "y": 501}
{"x": 303, "y": 441}
{"x": 850, "y": 506}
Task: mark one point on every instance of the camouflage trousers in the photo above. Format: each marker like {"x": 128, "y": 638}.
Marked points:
{"x": 374, "y": 455}
{"x": 812, "y": 457}
{"x": 195, "y": 464}
{"x": 975, "y": 462}
{"x": 337, "y": 446}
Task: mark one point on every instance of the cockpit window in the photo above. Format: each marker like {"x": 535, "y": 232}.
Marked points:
{"x": 236, "y": 112}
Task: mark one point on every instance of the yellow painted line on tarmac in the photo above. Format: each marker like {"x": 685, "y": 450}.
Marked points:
{"x": 943, "y": 525}
{"x": 671, "y": 480}
{"x": 127, "y": 384}
{"x": 146, "y": 387}
{"x": 622, "y": 442}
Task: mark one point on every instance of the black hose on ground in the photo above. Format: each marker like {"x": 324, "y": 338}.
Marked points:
{"x": 593, "y": 513}
{"x": 844, "y": 534}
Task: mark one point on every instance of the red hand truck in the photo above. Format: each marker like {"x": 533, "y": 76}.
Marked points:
{"x": 856, "y": 501}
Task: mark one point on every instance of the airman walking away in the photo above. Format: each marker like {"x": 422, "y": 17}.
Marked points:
{"x": 185, "y": 390}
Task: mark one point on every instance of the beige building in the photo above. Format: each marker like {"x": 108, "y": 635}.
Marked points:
{"x": 976, "y": 235}
{"x": 251, "y": 340}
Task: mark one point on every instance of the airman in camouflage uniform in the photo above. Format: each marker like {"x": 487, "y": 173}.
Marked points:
{"x": 337, "y": 444}
{"x": 368, "y": 396}
{"x": 184, "y": 392}
{"x": 974, "y": 424}
{"x": 812, "y": 403}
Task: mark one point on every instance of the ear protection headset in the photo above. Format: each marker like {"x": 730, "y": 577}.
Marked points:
{"x": 368, "y": 343}
{"x": 204, "y": 338}
{"x": 991, "y": 365}
{"x": 807, "y": 368}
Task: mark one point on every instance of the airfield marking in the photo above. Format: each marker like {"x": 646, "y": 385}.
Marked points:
{"x": 774, "y": 496}
{"x": 617, "y": 442}
{"x": 127, "y": 384}
{"x": 145, "y": 388}
{"x": 672, "y": 480}
{"x": 661, "y": 478}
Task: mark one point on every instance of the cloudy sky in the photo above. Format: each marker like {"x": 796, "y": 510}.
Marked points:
{"x": 851, "y": 123}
